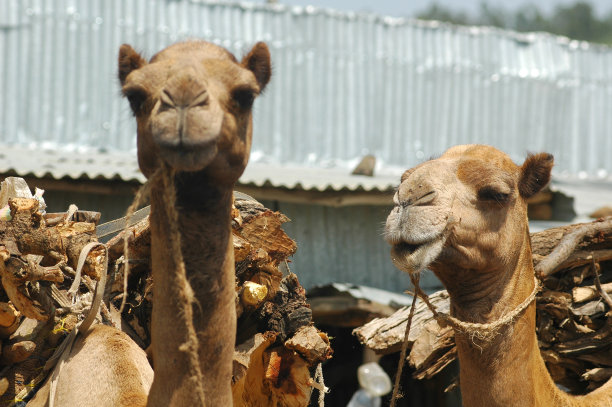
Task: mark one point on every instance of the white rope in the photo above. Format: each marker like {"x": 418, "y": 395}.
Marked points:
{"x": 483, "y": 331}
{"x": 319, "y": 384}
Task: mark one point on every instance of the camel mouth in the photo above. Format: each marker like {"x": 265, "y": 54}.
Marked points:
{"x": 414, "y": 258}
{"x": 407, "y": 248}
{"x": 188, "y": 158}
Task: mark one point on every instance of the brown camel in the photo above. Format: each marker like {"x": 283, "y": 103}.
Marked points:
{"x": 192, "y": 104}
{"x": 464, "y": 216}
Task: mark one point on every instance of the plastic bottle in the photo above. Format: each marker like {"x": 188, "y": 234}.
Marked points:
{"x": 374, "y": 383}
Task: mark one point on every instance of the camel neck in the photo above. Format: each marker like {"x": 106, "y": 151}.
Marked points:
{"x": 483, "y": 296}
{"x": 508, "y": 368}
{"x": 196, "y": 193}
{"x": 204, "y": 227}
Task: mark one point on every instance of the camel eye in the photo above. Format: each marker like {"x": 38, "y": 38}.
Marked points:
{"x": 492, "y": 194}
{"x": 137, "y": 97}
{"x": 244, "y": 98}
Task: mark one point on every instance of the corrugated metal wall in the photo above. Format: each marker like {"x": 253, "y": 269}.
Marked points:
{"x": 343, "y": 84}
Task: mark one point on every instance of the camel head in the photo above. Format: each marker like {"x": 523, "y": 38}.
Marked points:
{"x": 192, "y": 102}
{"x": 464, "y": 210}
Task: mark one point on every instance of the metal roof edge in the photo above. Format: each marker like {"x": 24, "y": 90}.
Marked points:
{"x": 315, "y": 179}
{"x": 123, "y": 166}
{"x": 58, "y": 164}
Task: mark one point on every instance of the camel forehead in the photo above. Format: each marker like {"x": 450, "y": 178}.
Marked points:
{"x": 195, "y": 59}
{"x": 481, "y": 164}
{"x": 486, "y": 155}
{"x": 193, "y": 50}
{"x": 216, "y": 62}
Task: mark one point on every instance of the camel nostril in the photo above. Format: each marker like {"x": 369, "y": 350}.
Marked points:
{"x": 201, "y": 99}
{"x": 166, "y": 98}
{"x": 424, "y": 199}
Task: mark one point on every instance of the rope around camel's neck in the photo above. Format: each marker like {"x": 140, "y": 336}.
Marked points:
{"x": 183, "y": 291}
{"x": 482, "y": 331}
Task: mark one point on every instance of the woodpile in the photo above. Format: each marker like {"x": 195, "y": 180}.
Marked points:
{"x": 278, "y": 348}
{"x": 574, "y": 312}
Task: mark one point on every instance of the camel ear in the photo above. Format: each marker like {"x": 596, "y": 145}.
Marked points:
{"x": 535, "y": 173}
{"x": 258, "y": 62}
{"x": 129, "y": 60}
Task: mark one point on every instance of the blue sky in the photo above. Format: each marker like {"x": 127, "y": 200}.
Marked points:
{"x": 410, "y": 7}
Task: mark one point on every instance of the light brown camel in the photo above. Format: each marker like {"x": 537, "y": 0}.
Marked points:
{"x": 464, "y": 216}
{"x": 105, "y": 368}
{"x": 192, "y": 104}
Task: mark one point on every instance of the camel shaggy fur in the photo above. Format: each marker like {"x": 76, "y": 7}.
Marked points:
{"x": 192, "y": 102}
{"x": 464, "y": 216}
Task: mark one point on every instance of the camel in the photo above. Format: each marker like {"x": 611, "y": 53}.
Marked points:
{"x": 192, "y": 103}
{"x": 464, "y": 216}
{"x": 105, "y": 368}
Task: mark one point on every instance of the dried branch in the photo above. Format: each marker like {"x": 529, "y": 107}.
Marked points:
{"x": 567, "y": 246}
{"x": 602, "y": 292}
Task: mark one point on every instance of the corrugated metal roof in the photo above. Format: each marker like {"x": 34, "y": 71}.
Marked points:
{"x": 344, "y": 84}
{"x": 77, "y": 164}
{"x": 92, "y": 164}
{"x": 315, "y": 179}
{"x": 362, "y": 292}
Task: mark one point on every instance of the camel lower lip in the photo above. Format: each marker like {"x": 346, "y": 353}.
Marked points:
{"x": 413, "y": 258}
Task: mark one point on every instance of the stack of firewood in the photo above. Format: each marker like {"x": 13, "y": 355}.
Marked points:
{"x": 278, "y": 348}
{"x": 574, "y": 321}
{"x": 574, "y": 317}
{"x": 38, "y": 257}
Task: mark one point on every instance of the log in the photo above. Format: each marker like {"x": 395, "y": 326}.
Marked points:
{"x": 586, "y": 293}
{"x": 4, "y": 385}
{"x": 311, "y": 344}
{"x": 598, "y": 374}
{"x": 8, "y": 315}
{"x": 17, "y": 352}
{"x": 264, "y": 232}
{"x": 385, "y": 335}
{"x": 563, "y": 241}
{"x": 433, "y": 350}
{"x": 15, "y": 272}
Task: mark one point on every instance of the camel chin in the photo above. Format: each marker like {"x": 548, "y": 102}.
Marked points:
{"x": 414, "y": 258}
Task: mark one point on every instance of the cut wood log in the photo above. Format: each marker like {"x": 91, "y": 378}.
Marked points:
{"x": 586, "y": 293}
{"x": 8, "y": 315}
{"x": 17, "y": 352}
{"x": 311, "y": 344}
{"x": 598, "y": 374}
